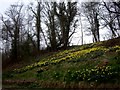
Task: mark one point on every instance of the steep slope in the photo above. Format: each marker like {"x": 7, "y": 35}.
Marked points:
{"x": 93, "y": 65}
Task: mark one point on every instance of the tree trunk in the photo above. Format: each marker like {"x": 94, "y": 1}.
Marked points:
{"x": 38, "y": 26}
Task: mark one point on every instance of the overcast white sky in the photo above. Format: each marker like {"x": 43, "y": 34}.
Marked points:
{"x": 5, "y": 4}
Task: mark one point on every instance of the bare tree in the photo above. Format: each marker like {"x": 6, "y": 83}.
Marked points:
{"x": 91, "y": 11}
{"x": 37, "y": 15}
{"x": 15, "y": 17}
{"x": 66, "y": 16}
{"x": 112, "y": 17}
{"x": 51, "y": 24}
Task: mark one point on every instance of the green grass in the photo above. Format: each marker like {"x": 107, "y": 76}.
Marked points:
{"x": 75, "y": 67}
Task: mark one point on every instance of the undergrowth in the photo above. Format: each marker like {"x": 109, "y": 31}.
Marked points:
{"x": 74, "y": 65}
